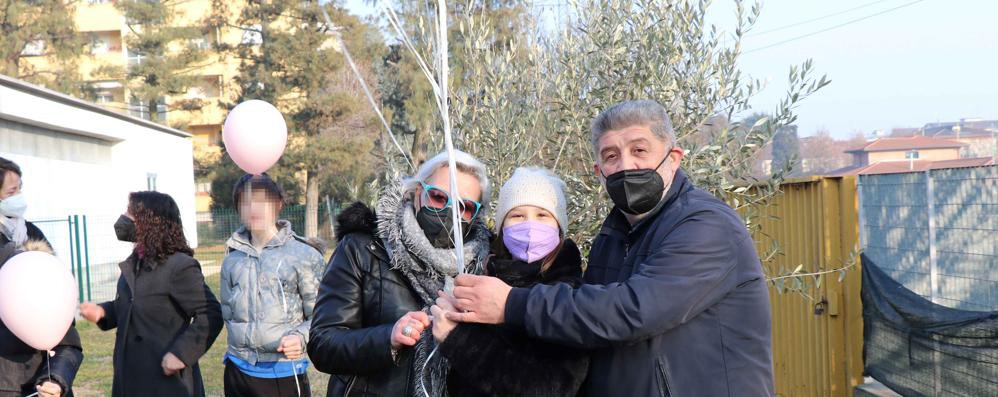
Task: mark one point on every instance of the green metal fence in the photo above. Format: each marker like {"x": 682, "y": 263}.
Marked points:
{"x": 88, "y": 246}
{"x": 215, "y": 227}
{"x": 70, "y": 242}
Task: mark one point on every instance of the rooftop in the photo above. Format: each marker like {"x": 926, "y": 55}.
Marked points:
{"x": 906, "y": 143}
{"x": 901, "y": 166}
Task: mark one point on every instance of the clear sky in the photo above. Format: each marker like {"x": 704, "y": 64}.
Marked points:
{"x": 916, "y": 62}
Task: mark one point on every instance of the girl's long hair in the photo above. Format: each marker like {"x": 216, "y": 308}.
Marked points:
{"x": 159, "y": 232}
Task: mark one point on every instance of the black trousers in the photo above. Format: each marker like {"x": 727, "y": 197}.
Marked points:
{"x": 238, "y": 384}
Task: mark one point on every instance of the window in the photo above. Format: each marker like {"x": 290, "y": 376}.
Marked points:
{"x": 98, "y": 45}
{"x": 201, "y": 43}
{"x": 911, "y": 155}
{"x": 34, "y": 48}
{"x": 104, "y": 97}
{"x": 252, "y": 35}
{"x": 135, "y": 58}
{"x": 204, "y": 187}
{"x": 151, "y": 181}
{"x": 209, "y": 87}
{"x": 105, "y": 42}
{"x": 140, "y": 108}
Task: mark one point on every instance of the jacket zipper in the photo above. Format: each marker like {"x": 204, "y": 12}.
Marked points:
{"x": 353, "y": 379}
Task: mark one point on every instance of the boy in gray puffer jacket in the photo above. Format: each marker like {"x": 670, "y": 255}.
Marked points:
{"x": 269, "y": 283}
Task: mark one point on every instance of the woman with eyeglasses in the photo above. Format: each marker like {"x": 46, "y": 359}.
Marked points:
{"x": 370, "y": 328}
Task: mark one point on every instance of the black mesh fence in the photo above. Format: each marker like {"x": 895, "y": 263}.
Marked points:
{"x": 919, "y": 348}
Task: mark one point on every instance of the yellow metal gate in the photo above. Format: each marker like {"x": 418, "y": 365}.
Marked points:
{"x": 817, "y": 341}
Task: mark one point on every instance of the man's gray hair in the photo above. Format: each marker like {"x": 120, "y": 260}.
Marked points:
{"x": 465, "y": 163}
{"x": 630, "y": 113}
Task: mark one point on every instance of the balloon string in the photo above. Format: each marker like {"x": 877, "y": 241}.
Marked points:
{"x": 48, "y": 365}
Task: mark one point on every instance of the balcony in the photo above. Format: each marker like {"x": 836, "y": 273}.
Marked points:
{"x": 94, "y": 16}
{"x": 210, "y": 114}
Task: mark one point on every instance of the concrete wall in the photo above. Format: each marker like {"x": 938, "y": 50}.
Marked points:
{"x": 79, "y": 159}
{"x": 936, "y": 232}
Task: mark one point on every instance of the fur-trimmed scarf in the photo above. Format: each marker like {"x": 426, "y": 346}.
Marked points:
{"x": 15, "y": 229}
{"x": 428, "y": 270}
{"x": 426, "y": 267}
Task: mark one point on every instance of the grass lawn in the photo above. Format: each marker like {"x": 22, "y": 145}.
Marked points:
{"x": 95, "y": 376}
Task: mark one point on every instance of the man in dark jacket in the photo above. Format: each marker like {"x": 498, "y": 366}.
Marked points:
{"x": 675, "y": 301}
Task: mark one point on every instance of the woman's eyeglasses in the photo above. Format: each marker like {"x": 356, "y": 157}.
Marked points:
{"x": 437, "y": 200}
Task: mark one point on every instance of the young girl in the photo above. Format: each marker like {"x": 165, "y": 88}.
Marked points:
{"x": 166, "y": 316}
{"x": 531, "y": 248}
{"x": 270, "y": 279}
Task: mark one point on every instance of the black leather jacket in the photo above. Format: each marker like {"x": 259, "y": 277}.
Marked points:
{"x": 360, "y": 299}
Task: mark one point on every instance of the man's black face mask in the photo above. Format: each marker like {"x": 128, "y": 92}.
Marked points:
{"x": 636, "y": 191}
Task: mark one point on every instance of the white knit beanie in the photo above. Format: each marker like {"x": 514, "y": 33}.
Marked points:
{"x": 537, "y": 187}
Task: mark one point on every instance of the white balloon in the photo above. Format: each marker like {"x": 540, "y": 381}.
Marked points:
{"x": 255, "y": 135}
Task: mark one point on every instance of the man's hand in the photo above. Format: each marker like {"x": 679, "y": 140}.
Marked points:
{"x": 291, "y": 347}
{"x": 407, "y": 329}
{"x": 171, "y": 364}
{"x": 441, "y": 325}
{"x": 49, "y": 389}
{"x": 91, "y": 312}
{"x": 479, "y": 299}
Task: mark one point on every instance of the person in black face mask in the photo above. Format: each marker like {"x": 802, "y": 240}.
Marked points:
{"x": 675, "y": 301}
{"x": 371, "y": 312}
{"x": 165, "y": 315}
{"x": 124, "y": 229}
{"x": 636, "y": 192}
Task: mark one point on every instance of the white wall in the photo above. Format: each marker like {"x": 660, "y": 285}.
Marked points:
{"x": 58, "y": 187}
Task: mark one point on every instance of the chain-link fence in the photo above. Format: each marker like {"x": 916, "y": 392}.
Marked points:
{"x": 89, "y": 247}
{"x": 215, "y": 228}
{"x": 936, "y": 232}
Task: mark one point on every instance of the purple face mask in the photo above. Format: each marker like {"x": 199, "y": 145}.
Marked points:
{"x": 531, "y": 241}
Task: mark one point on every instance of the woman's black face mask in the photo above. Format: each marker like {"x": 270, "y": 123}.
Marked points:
{"x": 124, "y": 228}
{"x": 438, "y": 227}
{"x": 636, "y": 191}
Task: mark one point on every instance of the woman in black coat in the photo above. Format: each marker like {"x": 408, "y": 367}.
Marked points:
{"x": 166, "y": 316}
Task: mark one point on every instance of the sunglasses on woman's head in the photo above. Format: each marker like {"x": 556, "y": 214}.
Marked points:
{"x": 438, "y": 200}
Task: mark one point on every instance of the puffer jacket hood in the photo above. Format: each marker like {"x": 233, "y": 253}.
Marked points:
{"x": 269, "y": 293}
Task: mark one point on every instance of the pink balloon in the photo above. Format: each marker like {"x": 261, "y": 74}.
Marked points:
{"x": 37, "y": 299}
{"x": 255, "y": 135}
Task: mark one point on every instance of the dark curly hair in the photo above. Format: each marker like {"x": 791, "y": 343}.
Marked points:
{"x": 159, "y": 231}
